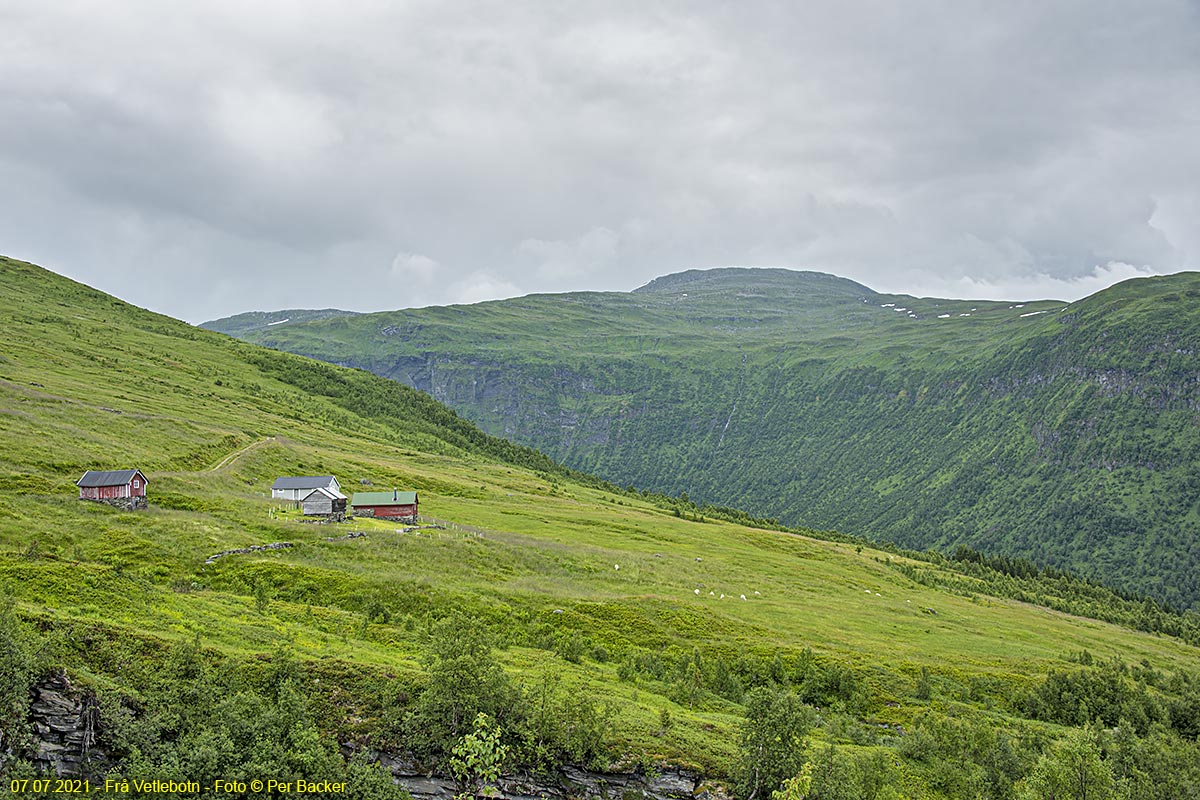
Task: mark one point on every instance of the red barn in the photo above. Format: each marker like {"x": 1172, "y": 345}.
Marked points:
{"x": 386, "y": 505}
{"x": 113, "y": 485}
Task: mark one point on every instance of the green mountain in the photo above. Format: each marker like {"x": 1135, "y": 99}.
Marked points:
{"x": 594, "y": 626}
{"x": 1062, "y": 433}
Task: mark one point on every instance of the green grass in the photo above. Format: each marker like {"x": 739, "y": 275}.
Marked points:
{"x": 1063, "y": 433}
{"x": 89, "y": 382}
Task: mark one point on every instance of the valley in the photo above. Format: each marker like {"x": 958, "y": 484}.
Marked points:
{"x": 600, "y": 627}
{"x": 1062, "y": 433}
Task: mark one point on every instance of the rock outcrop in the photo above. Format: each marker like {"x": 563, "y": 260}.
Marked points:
{"x": 64, "y": 725}
{"x": 663, "y": 782}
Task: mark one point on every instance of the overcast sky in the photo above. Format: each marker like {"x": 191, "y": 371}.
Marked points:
{"x": 372, "y": 155}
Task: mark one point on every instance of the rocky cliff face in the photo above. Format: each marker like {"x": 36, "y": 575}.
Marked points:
{"x": 663, "y": 782}
{"x": 65, "y": 722}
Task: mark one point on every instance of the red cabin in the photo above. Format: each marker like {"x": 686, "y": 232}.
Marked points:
{"x": 386, "y": 505}
{"x": 111, "y": 484}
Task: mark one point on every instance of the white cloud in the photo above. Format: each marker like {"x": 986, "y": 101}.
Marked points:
{"x": 415, "y": 268}
{"x": 1042, "y": 286}
{"x": 271, "y": 126}
{"x": 593, "y": 252}
{"x": 479, "y": 286}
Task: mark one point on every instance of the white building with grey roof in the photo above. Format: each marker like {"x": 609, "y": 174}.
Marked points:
{"x": 298, "y": 488}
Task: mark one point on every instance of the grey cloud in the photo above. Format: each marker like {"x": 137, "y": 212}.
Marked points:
{"x": 442, "y": 152}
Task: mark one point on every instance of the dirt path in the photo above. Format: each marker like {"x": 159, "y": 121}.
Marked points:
{"x": 229, "y": 459}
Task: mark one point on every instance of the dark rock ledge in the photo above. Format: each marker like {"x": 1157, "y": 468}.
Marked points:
{"x": 65, "y": 721}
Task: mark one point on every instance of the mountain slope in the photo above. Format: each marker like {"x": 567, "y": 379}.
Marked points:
{"x": 1064, "y": 433}
{"x": 619, "y": 621}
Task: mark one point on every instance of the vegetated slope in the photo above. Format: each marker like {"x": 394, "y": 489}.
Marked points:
{"x": 631, "y": 627}
{"x": 262, "y": 320}
{"x": 1063, "y": 433}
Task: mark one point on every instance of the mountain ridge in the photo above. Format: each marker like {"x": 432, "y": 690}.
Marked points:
{"x": 743, "y": 277}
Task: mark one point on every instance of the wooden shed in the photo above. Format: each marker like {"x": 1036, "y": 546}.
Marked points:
{"x": 386, "y": 505}
{"x": 323, "y": 502}
{"x": 111, "y": 484}
{"x": 125, "y": 488}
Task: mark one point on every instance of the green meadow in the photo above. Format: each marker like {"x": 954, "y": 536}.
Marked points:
{"x": 652, "y": 620}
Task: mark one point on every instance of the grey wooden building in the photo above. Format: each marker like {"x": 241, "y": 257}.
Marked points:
{"x": 323, "y": 502}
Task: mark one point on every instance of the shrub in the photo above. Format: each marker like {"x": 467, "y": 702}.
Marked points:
{"x": 17, "y": 674}
{"x": 464, "y": 680}
{"x": 773, "y": 741}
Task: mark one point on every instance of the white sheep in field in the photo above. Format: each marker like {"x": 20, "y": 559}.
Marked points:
{"x": 743, "y": 597}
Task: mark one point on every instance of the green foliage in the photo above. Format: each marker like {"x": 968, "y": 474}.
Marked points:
{"x": 200, "y": 723}
{"x": 552, "y": 725}
{"x": 477, "y": 758}
{"x": 773, "y": 741}
{"x": 924, "y": 688}
{"x": 465, "y": 680}
{"x": 966, "y": 757}
{"x": 570, "y": 647}
{"x": 1157, "y": 767}
{"x": 1071, "y": 769}
{"x": 1109, "y": 693}
{"x": 835, "y": 776}
{"x": 17, "y": 674}
{"x": 796, "y": 787}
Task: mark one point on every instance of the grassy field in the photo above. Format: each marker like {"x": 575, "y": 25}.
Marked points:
{"x": 574, "y": 578}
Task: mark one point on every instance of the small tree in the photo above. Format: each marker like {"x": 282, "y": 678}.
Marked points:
{"x": 924, "y": 688}
{"x": 464, "y": 680}
{"x": 836, "y": 776}
{"x": 773, "y": 743}
{"x": 1070, "y": 769}
{"x": 477, "y": 758}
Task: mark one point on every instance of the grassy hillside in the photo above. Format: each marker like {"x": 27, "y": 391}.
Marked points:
{"x": 627, "y": 628}
{"x": 1062, "y": 433}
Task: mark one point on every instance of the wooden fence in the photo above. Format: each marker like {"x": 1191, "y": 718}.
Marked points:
{"x": 468, "y": 530}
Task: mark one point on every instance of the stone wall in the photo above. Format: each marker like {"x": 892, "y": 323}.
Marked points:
{"x": 125, "y": 503}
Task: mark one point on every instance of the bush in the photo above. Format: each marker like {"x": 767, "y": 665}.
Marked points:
{"x": 773, "y": 742}
{"x": 17, "y": 675}
{"x": 464, "y": 680}
{"x": 553, "y": 726}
